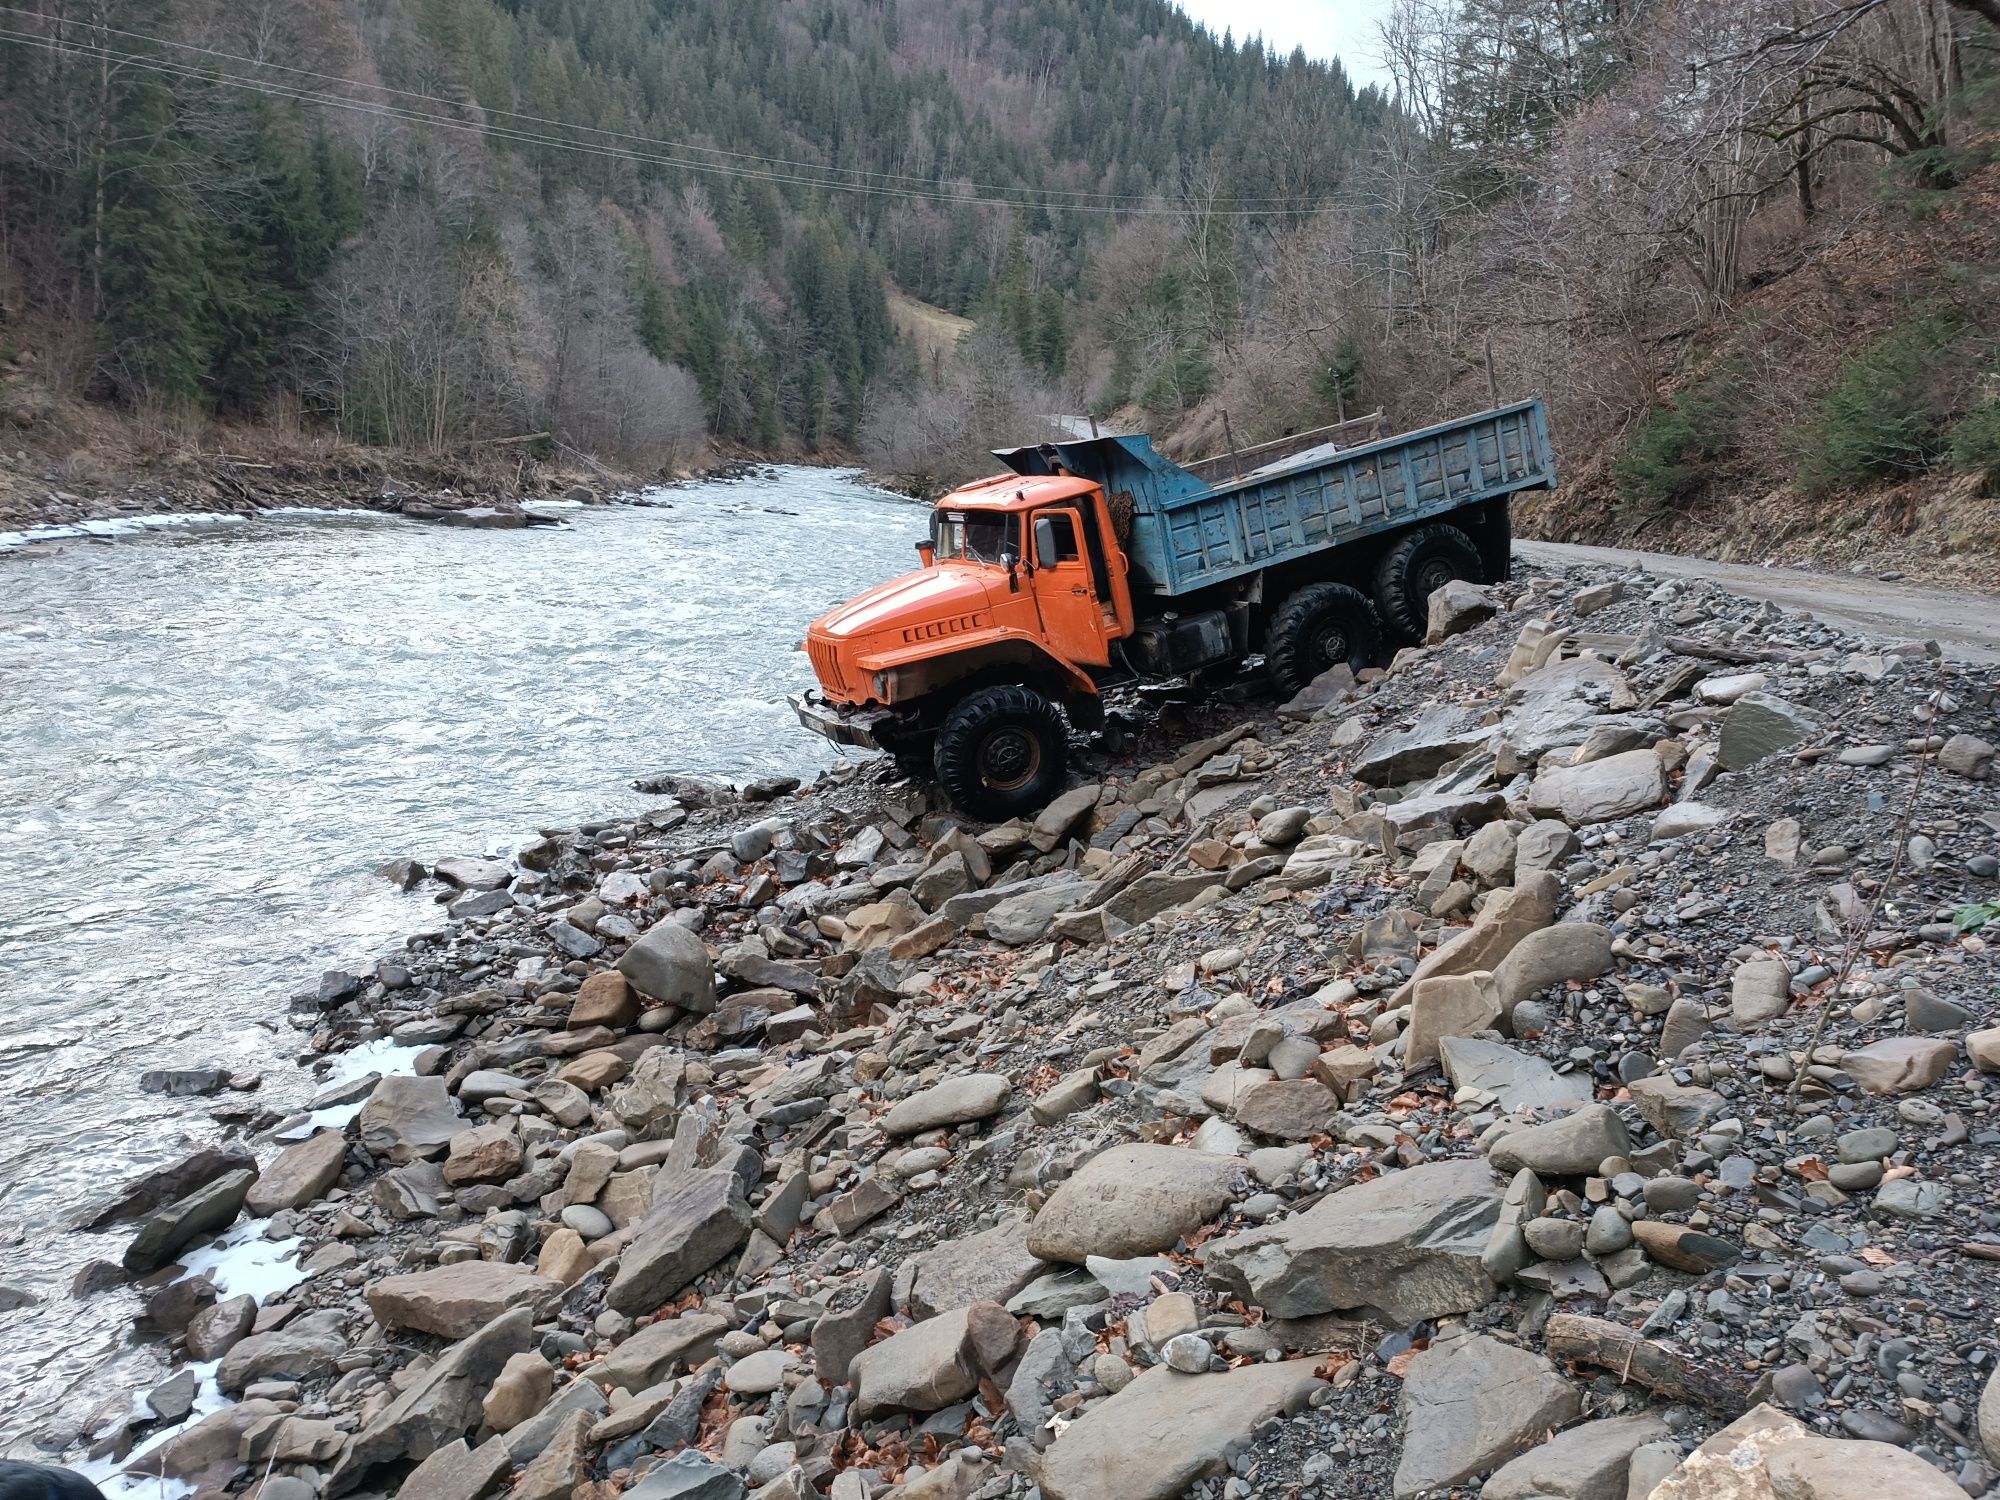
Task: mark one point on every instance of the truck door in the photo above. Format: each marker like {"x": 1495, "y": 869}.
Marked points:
{"x": 1072, "y": 615}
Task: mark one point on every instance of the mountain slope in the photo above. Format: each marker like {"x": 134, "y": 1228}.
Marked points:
{"x": 421, "y": 222}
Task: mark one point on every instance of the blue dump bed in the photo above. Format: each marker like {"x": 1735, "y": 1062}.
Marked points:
{"x": 1188, "y": 534}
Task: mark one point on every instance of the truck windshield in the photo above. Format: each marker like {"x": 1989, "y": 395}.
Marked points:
{"x": 971, "y": 536}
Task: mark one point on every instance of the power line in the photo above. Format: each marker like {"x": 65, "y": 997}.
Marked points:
{"x": 790, "y": 163}
{"x": 777, "y": 170}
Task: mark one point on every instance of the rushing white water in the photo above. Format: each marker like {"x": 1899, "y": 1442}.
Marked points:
{"x": 212, "y": 736}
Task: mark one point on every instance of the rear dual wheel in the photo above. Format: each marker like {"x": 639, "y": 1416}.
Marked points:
{"x": 1422, "y": 561}
{"x": 1321, "y": 626}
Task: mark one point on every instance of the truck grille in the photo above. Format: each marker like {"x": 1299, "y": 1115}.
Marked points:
{"x": 826, "y": 665}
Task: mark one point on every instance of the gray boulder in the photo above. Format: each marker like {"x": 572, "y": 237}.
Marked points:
{"x": 1407, "y": 1243}
{"x": 207, "y": 1210}
{"x": 694, "y": 1222}
{"x": 1053, "y": 824}
{"x": 931, "y": 1364}
{"x": 298, "y": 1175}
{"x": 1025, "y": 916}
{"x": 1516, "y": 1079}
{"x": 1758, "y": 725}
{"x": 1133, "y": 1200}
{"x": 1588, "y": 1462}
{"x": 1600, "y": 791}
{"x": 1675, "y": 1109}
{"x": 1165, "y": 1431}
{"x": 1438, "y": 737}
{"x": 458, "y": 1471}
{"x": 1456, "y": 608}
{"x": 455, "y": 1301}
{"x": 649, "y": 1356}
{"x": 165, "y": 1184}
{"x": 669, "y": 964}
{"x": 409, "y": 1119}
{"x": 304, "y": 1350}
{"x": 1573, "y": 1146}
{"x": 975, "y": 1096}
{"x": 1470, "y": 1402}
{"x": 1552, "y": 956}
{"x": 990, "y": 1266}
{"x": 1759, "y": 991}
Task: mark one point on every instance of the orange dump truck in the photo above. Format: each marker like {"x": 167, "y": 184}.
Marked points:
{"x": 1099, "y": 562}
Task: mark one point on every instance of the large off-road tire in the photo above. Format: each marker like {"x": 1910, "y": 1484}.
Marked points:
{"x": 1319, "y": 627}
{"x": 1419, "y": 563}
{"x": 1003, "y": 752}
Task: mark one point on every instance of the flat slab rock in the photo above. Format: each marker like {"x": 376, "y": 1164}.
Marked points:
{"x": 1592, "y": 1458}
{"x": 694, "y": 1222}
{"x": 1600, "y": 791}
{"x": 298, "y": 1174}
{"x": 456, "y": 1301}
{"x": 1516, "y": 1079}
{"x": 990, "y": 1266}
{"x": 440, "y": 1407}
{"x": 409, "y": 1119}
{"x": 1133, "y": 1200}
{"x": 928, "y": 1365}
{"x": 1471, "y": 1402}
{"x": 1766, "y": 1455}
{"x": 1408, "y": 1243}
{"x": 1166, "y": 1430}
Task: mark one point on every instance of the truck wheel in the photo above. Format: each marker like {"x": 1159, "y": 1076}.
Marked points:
{"x": 1003, "y": 752}
{"x": 1423, "y": 560}
{"x": 1321, "y": 626}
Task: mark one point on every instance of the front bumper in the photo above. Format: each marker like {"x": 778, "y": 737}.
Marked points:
{"x": 842, "y": 725}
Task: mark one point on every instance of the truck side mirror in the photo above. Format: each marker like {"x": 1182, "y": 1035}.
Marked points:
{"x": 1047, "y": 554}
{"x": 926, "y": 554}
{"x": 1010, "y": 560}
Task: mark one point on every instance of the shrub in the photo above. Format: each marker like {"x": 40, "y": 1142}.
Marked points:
{"x": 1881, "y": 419}
{"x": 1975, "y": 443}
{"x": 1669, "y": 460}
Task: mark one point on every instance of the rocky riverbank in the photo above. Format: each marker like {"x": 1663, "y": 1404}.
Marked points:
{"x": 1563, "y": 1062}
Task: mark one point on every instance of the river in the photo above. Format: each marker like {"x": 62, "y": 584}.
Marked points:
{"x": 211, "y": 737}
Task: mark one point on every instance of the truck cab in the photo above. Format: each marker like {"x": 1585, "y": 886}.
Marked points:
{"x": 1021, "y": 585}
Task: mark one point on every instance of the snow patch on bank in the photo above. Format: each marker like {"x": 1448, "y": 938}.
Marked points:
{"x": 130, "y": 526}
{"x": 109, "y": 1474}
{"x": 244, "y": 1263}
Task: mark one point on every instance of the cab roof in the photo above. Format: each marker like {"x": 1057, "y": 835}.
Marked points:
{"x": 1011, "y": 492}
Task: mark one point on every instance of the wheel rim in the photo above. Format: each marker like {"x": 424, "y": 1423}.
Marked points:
{"x": 1328, "y": 646}
{"x": 1009, "y": 759}
{"x": 1435, "y": 575}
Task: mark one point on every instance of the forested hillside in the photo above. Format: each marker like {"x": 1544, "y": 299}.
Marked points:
{"x": 1748, "y": 249}
{"x": 419, "y": 222}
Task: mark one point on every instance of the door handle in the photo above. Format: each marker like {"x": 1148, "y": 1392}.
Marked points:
{"x": 1081, "y": 592}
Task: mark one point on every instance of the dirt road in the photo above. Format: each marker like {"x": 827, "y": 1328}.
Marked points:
{"x": 1967, "y": 626}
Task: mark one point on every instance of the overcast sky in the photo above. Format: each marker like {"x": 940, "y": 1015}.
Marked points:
{"x": 1325, "y": 28}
